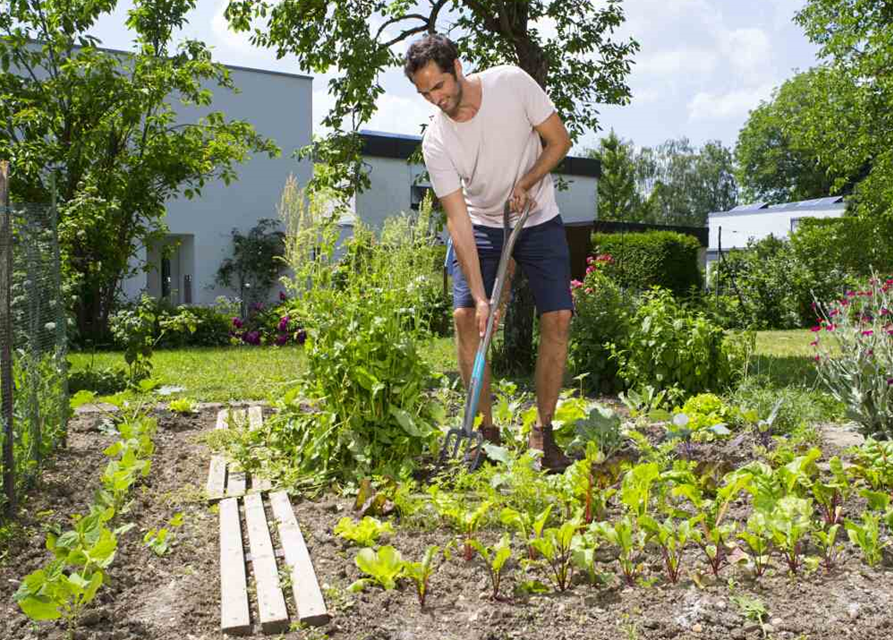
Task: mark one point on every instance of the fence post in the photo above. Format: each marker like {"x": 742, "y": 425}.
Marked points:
{"x": 6, "y": 407}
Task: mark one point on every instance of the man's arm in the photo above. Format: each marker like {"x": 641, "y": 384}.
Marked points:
{"x": 557, "y": 143}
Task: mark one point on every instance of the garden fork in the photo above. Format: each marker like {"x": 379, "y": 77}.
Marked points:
{"x": 457, "y": 436}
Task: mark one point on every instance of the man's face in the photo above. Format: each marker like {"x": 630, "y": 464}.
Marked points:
{"x": 438, "y": 87}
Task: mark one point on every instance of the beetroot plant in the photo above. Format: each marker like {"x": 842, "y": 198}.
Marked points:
{"x": 529, "y": 527}
{"x": 495, "y": 558}
{"x": 420, "y": 572}
{"x": 672, "y": 538}
{"x": 556, "y": 548}
{"x": 630, "y": 538}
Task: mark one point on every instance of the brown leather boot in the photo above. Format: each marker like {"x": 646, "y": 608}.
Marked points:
{"x": 490, "y": 434}
{"x": 542, "y": 439}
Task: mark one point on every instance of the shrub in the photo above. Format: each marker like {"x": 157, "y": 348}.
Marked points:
{"x": 601, "y": 317}
{"x": 211, "y": 328}
{"x": 668, "y": 346}
{"x": 654, "y": 258}
{"x": 860, "y": 372}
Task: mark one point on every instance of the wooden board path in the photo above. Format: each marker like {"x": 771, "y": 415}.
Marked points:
{"x": 265, "y": 562}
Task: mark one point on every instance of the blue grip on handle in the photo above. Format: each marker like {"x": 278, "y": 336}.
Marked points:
{"x": 477, "y": 373}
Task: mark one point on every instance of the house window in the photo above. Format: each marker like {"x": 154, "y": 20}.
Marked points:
{"x": 795, "y": 222}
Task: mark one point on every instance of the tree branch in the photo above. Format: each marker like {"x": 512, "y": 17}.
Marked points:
{"x": 409, "y": 16}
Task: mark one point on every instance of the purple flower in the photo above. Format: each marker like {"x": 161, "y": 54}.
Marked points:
{"x": 889, "y": 381}
{"x": 283, "y": 323}
{"x": 257, "y": 306}
{"x": 300, "y": 336}
{"x": 237, "y": 323}
{"x": 867, "y": 332}
{"x": 281, "y": 339}
{"x": 252, "y": 337}
{"x": 282, "y": 296}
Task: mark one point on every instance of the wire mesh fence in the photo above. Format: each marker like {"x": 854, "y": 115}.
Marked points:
{"x": 33, "y": 346}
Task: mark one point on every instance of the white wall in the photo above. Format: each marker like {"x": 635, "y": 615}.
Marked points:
{"x": 392, "y": 179}
{"x": 739, "y": 227}
{"x": 279, "y": 107}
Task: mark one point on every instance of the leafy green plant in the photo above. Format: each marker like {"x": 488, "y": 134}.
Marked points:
{"x": 669, "y": 347}
{"x": 630, "y": 538}
{"x": 182, "y": 406}
{"x": 495, "y": 558}
{"x": 556, "y": 548}
{"x": 70, "y": 582}
{"x": 830, "y": 496}
{"x": 602, "y": 427}
{"x": 873, "y": 462}
{"x": 758, "y": 538}
{"x": 825, "y": 540}
{"x": 585, "y": 544}
{"x": 791, "y": 525}
{"x": 672, "y": 538}
{"x": 708, "y": 415}
{"x": 365, "y": 533}
{"x": 645, "y": 400}
{"x": 635, "y": 491}
{"x": 753, "y": 608}
{"x": 528, "y": 526}
{"x": 384, "y": 567}
{"x": 420, "y": 572}
{"x": 158, "y": 540}
{"x": 463, "y": 520}
{"x": 866, "y": 536}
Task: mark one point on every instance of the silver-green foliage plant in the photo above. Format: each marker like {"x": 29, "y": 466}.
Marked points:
{"x": 854, "y": 355}
{"x": 364, "y": 533}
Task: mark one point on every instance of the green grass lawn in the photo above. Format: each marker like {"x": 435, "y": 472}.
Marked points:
{"x": 260, "y": 373}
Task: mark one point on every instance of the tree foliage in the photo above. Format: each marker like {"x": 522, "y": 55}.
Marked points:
{"x": 618, "y": 198}
{"x": 856, "y": 42}
{"x": 580, "y": 64}
{"x": 776, "y": 154}
{"x": 104, "y": 125}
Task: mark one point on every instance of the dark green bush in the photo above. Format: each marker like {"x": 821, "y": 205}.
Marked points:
{"x": 668, "y": 347}
{"x": 653, "y": 258}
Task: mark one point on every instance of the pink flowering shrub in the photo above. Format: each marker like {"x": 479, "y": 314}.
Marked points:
{"x": 854, "y": 354}
{"x": 601, "y": 317}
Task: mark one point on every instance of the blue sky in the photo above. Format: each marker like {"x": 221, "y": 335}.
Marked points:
{"x": 702, "y": 65}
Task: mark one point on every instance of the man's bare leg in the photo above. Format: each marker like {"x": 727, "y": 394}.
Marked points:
{"x": 467, "y": 341}
{"x": 550, "y": 362}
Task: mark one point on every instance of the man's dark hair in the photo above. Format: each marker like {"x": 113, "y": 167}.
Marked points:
{"x": 434, "y": 47}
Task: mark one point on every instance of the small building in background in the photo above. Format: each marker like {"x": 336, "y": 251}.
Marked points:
{"x": 733, "y": 229}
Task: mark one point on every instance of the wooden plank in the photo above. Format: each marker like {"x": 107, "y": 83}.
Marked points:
{"x": 270, "y": 601}
{"x": 255, "y": 421}
{"x": 216, "y": 478}
{"x": 234, "y": 617}
{"x": 305, "y": 586}
{"x": 235, "y": 484}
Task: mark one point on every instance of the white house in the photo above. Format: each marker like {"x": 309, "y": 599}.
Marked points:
{"x": 734, "y": 228}
{"x": 279, "y": 107}
{"x": 397, "y": 185}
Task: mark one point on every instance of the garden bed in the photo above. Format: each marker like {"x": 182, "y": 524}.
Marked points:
{"x": 177, "y": 596}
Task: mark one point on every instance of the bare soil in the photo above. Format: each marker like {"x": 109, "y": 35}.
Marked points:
{"x": 177, "y": 596}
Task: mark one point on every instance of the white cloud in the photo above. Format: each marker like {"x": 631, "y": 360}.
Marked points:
{"x": 239, "y": 42}
{"x": 687, "y": 61}
{"x": 749, "y": 51}
{"x": 724, "y": 106}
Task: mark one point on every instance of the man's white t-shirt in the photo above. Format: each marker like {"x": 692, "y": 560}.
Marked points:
{"x": 488, "y": 154}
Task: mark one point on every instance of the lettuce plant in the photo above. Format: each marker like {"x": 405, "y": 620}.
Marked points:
{"x": 556, "y": 548}
{"x": 384, "y": 567}
{"x": 364, "y": 533}
{"x": 874, "y": 464}
{"x": 183, "y": 406}
{"x": 495, "y": 558}
{"x": 420, "y": 572}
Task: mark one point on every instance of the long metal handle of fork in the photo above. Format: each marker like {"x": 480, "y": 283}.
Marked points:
{"x": 480, "y": 357}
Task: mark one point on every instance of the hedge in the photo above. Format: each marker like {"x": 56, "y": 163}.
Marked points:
{"x": 641, "y": 260}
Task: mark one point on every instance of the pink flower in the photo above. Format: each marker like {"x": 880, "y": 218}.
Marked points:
{"x": 817, "y": 358}
{"x": 850, "y": 294}
{"x": 589, "y": 269}
{"x": 830, "y": 327}
{"x": 867, "y": 332}
{"x": 814, "y": 343}
{"x": 576, "y": 284}
{"x": 588, "y": 289}
{"x": 816, "y": 328}
{"x": 590, "y": 260}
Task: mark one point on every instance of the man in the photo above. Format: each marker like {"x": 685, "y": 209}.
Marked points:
{"x": 483, "y": 148}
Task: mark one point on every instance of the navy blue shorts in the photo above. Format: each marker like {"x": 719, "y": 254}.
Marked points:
{"x": 541, "y": 251}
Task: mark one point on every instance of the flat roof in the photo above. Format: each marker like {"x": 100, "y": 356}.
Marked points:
{"x": 832, "y": 203}
{"x": 401, "y": 146}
